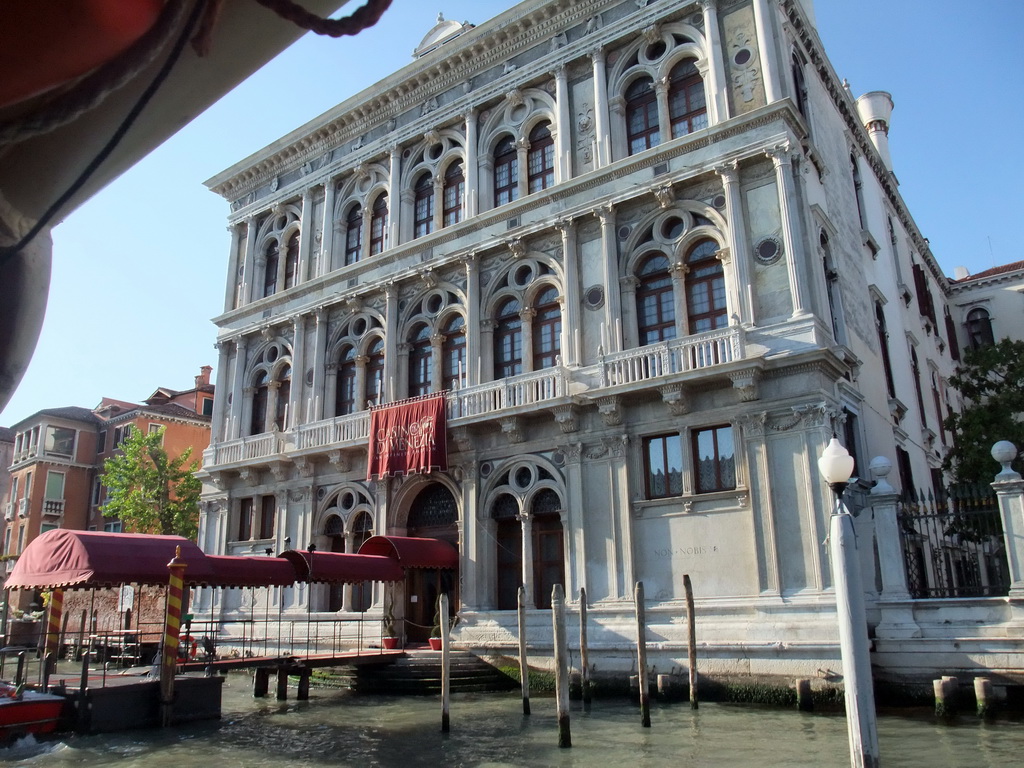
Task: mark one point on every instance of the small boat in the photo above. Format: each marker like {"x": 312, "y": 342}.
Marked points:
{"x": 23, "y": 712}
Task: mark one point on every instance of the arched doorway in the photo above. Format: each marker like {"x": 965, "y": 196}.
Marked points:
{"x": 434, "y": 514}
{"x": 362, "y": 593}
{"x": 334, "y": 530}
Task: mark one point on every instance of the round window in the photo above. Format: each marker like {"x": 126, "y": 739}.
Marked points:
{"x": 672, "y": 228}
{"x": 768, "y": 250}
{"x": 742, "y": 57}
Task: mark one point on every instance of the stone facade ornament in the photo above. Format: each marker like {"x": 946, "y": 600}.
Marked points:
{"x": 566, "y": 417}
{"x": 674, "y": 396}
{"x": 512, "y": 429}
{"x": 610, "y": 410}
{"x": 746, "y": 384}
{"x": 665, "y": 195}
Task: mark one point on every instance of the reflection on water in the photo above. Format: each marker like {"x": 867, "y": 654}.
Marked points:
{"x": 489, "y": 730}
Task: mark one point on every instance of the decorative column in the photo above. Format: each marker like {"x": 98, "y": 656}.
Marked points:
{"x": 526, "y": 314}
{"x": 737, "y": 237}
{"x": 563, "y": 123}
{"x": 298, "y": 414}
{"x": 390, "y": 341}
{"x": 394, "y": 205}
{"x": 469, "y": 539}
{"x": 249, "y": 261}
{"x": 897, "y": 615}
{"x": 716, "y": 70}
{"x": 679, "y": 270}
{"x": 630, "y": 323}
{"x": 610, "y": 275}
{"x": 436, "y": 370}
{"x": 473, "y": 320}
{"x": 472, "y": 166}
{"x": 302, "y": 273}
{"x": 319, "y": 365}
{"x": 325, "y": 262}
{"x": 527, "y": 523}
{"x": 232, "y": 292}
{"x": 237, "y": 382}
{"x": 664, "y": 122}
{"x": 766, "y": 50}
{"x": 1009, "y": 488}
{"x": 602, "y": 156}
{"x": 571, "y": 293}
{"x": 782, "y": 159}
{"x": 487, "y": 349}
{"x": 218, "y": 427}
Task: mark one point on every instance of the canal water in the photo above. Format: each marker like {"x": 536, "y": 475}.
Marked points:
{"x": 489, "y": 731}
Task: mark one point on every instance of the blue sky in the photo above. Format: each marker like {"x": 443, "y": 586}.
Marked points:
{"x": 139, "y": 270}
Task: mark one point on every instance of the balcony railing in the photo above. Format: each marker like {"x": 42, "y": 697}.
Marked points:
{"x": 9, "y": 511}
{"x": 53, "y": 507}
{"x": 23, "y": 508}
{"x": 341, "y": 429}
{"x": 524, "y": 389}
{"x": 670, "y": 357}
{"x": 243, "y": 449}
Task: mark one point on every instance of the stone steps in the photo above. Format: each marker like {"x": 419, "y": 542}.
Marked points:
{"x": 419, "y": 673}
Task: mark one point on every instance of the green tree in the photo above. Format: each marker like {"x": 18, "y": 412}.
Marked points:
{"x": 991, "y": 381}
{"x": 150, "y": 492}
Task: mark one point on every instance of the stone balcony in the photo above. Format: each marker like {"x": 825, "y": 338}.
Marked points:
{"x": 667, "y": 367}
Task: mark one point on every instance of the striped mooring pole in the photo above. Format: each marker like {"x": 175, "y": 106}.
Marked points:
{"x": 172, "y": 625}
{"x": 53, "y": 618}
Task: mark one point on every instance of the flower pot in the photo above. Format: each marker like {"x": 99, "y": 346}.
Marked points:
{"x": 435, "y": 643}
{"x": 390, "y": 643}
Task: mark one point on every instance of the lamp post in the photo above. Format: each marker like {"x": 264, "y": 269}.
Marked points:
{"x": 836, "y": 466}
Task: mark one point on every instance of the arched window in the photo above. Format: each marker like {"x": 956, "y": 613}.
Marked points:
{"x": 354, "y": 234}
{"x": 979, "y": 328}
{"x": 799, "y": 85}
{"x": 883, "y": 344}
{"x": 284, "y": 395}
{"x": 548, "y": 547}
{"x": 642, "y": 116}
{"x": 454, "y": 192}
{"x": 270, "y": 263}
{"x": 421, "y": 362}
{"x": 291, "y": 262}
{"x": 506, "y": 172}
{"x": 655, "y": 303}
{"x": 915, "y": 370}
{"x": 832, "y": 290}
{"x": 509, "y": 545}
{"x": 258, "y": 415}
{"x": 540, "y": 161}
{"x": 362, "y": 592}
{"x": 423, "y": 206}
{"x": 374, "y": 379}
{"x": 379, "y": 224}
{"x": 547, "y": 330}
{"x": 453, "y": 353}
{"x": 705, "y": 288}
{"x": 508, "y": 340}
{"x": 687, "y": 107}
{"x": 345, "y": 390}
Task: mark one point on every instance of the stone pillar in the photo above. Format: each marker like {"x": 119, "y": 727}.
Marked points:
{"x": 302, "y": 273}
{"x": 394, "y": 204}
{"x": 237, "y": 383}
{"x": 896, "y": 610}
{"x": 218, "y": 425}
{"x": 781, "y": 156}
{"x": 469, "y": 539}
{"x": 563, "y": 126}
{"x": 573, "y": 527}
{"x": 718, "y": 103}
{"x": 736, "y": 232}
{"x": 610, "y": 274}
{"x": 474, "y": 312}
{"x": 249, "y": 262}
{"x": 767, "y": 51}
{"x": 527, "y": 314}
{"x": 679, "y": 270}
{"x": 1009, "y": 488}
{"x": 527, "y": 522}
{"x": 390, "y": 342}
{"x": 572, "y": 323}
{"x": 325, "y": 262}
{"x": 232, "y": 292}
{"x": 664, "y": 121}
{"x": 319, "y": 366}
{"x": 296, "y": 411}
{"x": 602, "y": 156}
{"x": 472, "y": 166}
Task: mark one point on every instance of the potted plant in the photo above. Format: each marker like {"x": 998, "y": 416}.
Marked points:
{"x": 435, "y": 631}
{"x": 390, "y": 637}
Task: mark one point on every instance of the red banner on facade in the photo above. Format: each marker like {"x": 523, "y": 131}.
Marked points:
{"x": 408, "y": 437}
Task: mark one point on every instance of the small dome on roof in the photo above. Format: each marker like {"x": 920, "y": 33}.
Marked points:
{"x": 441, "y": 33}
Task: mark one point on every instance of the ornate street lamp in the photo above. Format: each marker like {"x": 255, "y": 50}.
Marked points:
{"x": 836, "y": 466}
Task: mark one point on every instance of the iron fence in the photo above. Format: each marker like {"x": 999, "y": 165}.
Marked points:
{"x": 953, "y": 544}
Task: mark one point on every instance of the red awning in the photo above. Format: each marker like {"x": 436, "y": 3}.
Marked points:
{"x": 231, "y": 571}
{"x": 339, "y": 567}
{"x": 411, "y": 552}
{"x": 65, "y": 558}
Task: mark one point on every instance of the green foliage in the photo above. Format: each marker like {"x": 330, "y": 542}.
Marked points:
{"x": 149, "y": 492}
{"x": 991, "y": 381}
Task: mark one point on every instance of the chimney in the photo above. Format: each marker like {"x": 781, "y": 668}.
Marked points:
{"x": 203, "y": 379}
{"x": 961, "y": 273}
{"x": 875, "y": 109}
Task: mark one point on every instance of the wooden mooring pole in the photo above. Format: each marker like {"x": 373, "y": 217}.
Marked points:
{"x": 561, "y": 665}
{"x": 524, "y": 668}
{"x": 641, "y": 655}
{"x": 584, "y": 650}
{"x": 446, "y": 673}
{"x": 691, "y": 643}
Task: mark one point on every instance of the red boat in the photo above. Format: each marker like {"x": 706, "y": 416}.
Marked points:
{"x": 27, "y": 712}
